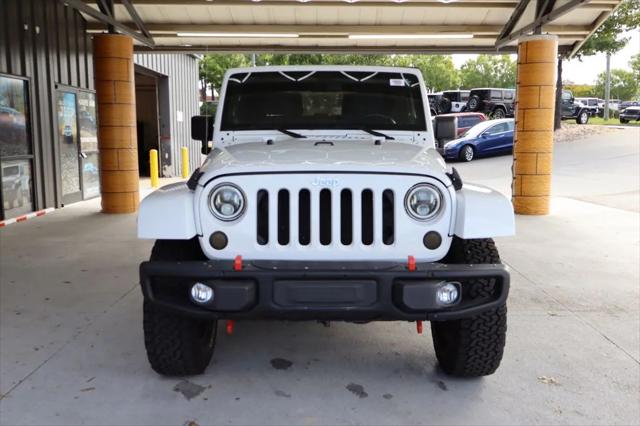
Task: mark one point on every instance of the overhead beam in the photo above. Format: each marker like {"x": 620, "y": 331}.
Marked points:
{"x": 96, "y": 14}
{"x": 329, "y": 3}
{"x": 136, "y": 18}
{"x": 162, "y": 30}
{"x": 539, "y": 22}
{"x": 514, "y": 18}
{"x": 381, "y": 50}
{"x": 421, "y": 4}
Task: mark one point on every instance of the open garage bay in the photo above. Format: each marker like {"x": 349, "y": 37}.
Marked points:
{"x": 72, "y": 351}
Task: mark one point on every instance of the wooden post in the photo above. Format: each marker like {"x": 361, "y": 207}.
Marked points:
{"x": 117, "y": 142}
{"x": 535, "y": 110}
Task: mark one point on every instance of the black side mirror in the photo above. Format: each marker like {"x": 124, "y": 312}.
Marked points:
{"x": 202, "y": 130}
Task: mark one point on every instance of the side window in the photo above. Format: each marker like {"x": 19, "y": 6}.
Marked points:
{"x": 508, "y": 94}
{"x": 464, "y": 96}
{"x": 510, "y": 125}
{"x": 498, "y": 128}
{"x": 463, "y": 122}
{"x": 496, "y": 95}
{"x": 566, "y": 96}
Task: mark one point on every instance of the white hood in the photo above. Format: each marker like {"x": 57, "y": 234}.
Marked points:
{"x": 295, "y": 155}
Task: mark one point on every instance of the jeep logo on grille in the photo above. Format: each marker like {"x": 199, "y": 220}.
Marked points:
{"x": 325, "y": 182}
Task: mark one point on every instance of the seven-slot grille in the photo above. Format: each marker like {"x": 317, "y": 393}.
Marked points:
{"x": 325, "y": 217}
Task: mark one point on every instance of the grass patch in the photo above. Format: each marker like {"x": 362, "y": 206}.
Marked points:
{"x": 611, "y": 122}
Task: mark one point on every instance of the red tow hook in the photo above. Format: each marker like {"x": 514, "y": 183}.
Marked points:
{"x": 237, "y": 263}
{"x": 230, "y": 324}
{"x": 411, "y": 264}
{"x": 419, "y": 327}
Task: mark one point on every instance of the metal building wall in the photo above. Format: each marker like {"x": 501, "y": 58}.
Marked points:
{"x": 182, "y": 73}
{"x": 47, "y": 43}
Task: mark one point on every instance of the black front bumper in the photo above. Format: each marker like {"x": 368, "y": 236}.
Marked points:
{"x": 347, "y": 291}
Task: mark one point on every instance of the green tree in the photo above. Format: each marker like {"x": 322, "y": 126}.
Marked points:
{"x": 488, "y": 71}
{"x": 213, "y": 67}
{"x": 438, "y": 71}
{"x": 581, "y": 90}
{"x": 608, "y": 38}
{"x": 634, "y": 63}
{"x": 624, "y": 85}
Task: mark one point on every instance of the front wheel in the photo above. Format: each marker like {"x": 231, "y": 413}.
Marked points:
{"x": 467, "y": 153}
{"x": 583, "y": 117}
{"x": 624, "y": 121}
{"x": 472, "y": 347}
{"x": 177, "y": 345}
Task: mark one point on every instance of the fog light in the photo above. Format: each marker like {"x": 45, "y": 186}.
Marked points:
{"x": 201, "y": 293}
{"x": 218, "y": 240}
{"x": 448, "y": 294}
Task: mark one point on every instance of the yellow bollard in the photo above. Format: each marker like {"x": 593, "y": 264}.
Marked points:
{"x": 185, "y": 162}
{"x": 153, "y": 167}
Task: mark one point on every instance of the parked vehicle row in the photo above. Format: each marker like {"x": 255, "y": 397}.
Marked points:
{"x": 494, "y": 102}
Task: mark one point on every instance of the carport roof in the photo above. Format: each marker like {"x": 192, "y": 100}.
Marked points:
{"x": 376, "y": 26}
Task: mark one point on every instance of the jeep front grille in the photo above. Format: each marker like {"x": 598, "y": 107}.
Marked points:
{"x": 324, "y": 217}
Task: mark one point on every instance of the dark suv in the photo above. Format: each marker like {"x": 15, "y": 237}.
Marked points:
{"x": 495, "y": 102}
{"x": 570, "y": 109}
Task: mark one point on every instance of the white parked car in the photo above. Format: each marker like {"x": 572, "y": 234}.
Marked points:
{"x": 324, "y": 199}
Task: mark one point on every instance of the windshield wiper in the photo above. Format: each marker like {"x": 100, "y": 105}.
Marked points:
{"x": 376, "y": 133}
{"x": 292, "y": 134}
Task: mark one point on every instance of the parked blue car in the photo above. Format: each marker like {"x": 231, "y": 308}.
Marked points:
{"x": 493, "y": 137}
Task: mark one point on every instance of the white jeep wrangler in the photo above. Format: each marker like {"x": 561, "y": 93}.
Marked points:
{"x": 324, "y": 199}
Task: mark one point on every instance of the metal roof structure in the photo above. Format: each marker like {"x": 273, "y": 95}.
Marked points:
{"x": 356, "y": 26}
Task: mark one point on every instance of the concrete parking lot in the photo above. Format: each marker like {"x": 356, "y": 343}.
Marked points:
{"x": 72, "y": 352}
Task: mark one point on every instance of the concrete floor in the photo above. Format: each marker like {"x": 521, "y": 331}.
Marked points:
{"x": 71, "y": 346}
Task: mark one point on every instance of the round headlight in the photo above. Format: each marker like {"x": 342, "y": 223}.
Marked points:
{"x": 423, "y": 201}
{"x": 226, "y": 202}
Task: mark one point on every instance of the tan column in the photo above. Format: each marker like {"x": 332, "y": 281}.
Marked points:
{"x": 533, "y": 139}
{"x": 117, "y": 142}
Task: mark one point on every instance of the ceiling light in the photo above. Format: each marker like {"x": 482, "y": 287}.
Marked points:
{"x": 241, "y": 35}
{"x": 408, "y": 36}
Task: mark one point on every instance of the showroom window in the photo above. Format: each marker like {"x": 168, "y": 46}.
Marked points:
{"x": 16, "y": 151}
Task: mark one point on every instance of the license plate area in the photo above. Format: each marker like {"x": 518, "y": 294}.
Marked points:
{"x": 325, "y": 293}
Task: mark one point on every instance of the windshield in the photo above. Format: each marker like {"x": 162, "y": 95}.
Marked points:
{"x": 323, "y": 100}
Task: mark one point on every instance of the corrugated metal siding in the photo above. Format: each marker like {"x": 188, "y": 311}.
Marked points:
{"x": 182, "y": 74}
{"x": 46, "y": 42}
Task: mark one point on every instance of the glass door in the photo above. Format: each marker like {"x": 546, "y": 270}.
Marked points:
{"x": 88, "y": 144}
{"x": 69, "y": 147}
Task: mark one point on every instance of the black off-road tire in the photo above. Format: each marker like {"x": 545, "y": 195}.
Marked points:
{"x": 444, "y": 105}
{"x": 498, "y": 113}
{"x": 472, "y": 347}
{"x": 473, "y": 104}
{"x": 624, "y": 121}
{"x": 177, "y": 345}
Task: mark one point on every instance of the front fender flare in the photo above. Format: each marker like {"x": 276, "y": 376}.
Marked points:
{"x": 482, "y": 212}
{"x": 168, "y": 214}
